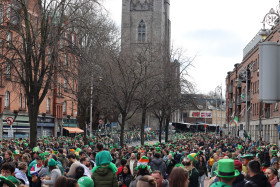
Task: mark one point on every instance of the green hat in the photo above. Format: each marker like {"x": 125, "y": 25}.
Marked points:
{"x": 249, "y": 156}
{"x": 36, "y": 149}
{"x": 274, "y": 153}
{"x": 16, "y": 152}
{"x": 91, "y": 143}
{"x": 10, "y": 180}
{"x": 193, "y": 156}
{"x": 179, "y": 165}
{"x": 85, "y": 182}
{"x": 226, "y": 169}
{"x": 52, "y": 162}
{"x": 157, "y": 149}
{"x": 46, "y": 153}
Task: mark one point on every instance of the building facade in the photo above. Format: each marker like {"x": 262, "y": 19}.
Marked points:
{"x": 258, "y": 119}
{"x": 59, "y": 107}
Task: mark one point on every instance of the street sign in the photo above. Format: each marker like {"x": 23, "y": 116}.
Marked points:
{"x": 10, "y": 120}
{"x": 205, "y": 125}
{"x": 10, "y": 133}
{"x": 100, "y": 121}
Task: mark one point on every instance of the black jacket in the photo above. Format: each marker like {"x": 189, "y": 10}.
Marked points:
{"x": 239, "y": 181}
{"x": 259, "y": 180}
{"x": 158, "y": 164}
{"x": 125, "y": 180}
{"x": 169, "y": 165}
{"x": 202, "y": 169}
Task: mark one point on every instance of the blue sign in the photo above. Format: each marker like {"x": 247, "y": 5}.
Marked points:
{"x": 278, "y": 128}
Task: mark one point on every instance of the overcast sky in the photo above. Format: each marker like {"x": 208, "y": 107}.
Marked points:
{"x": 215, "y": 31}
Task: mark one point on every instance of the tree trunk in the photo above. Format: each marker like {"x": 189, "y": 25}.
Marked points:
{"x": 160, "y": 130}
{"x": 33, "y": 115}
{"x": 122, "y": 129}
{"x": 166, "y": 127}
{"x": 144, "y": 111}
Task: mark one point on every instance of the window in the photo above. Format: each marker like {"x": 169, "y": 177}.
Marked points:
{"x": 72, "y": 108}
{"x": 73, "y": 39}
{"x": 1, "y": 47}
{"x": 24, "y": 102}
{"x": 64, "y": 107}
{"x": 9, "y": 38}
{"x": 48, "y": 104}
{"x": 1, "y": 13}
{"x": 141, "y": 31}
{"x": 65, "y": 83}
{"x": 20, "y": 101}
{"x": 8, "y": 69}
{"x": 7, "y": 99}
{"x": 66, "y": 60}
{"x": 9, "y": 12}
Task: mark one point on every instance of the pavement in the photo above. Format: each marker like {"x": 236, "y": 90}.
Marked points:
{"x": 148, "y": 142}
{"x": 206, "y": 181}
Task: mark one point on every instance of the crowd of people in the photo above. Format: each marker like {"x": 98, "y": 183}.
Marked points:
{"x": 100, "y": 162}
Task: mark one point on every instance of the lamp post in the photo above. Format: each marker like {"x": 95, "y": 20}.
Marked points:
{"x": 90, "y": 115}
{"x": 218, "y": 89}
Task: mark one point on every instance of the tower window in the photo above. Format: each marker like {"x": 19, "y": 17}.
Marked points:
{"x": 141, "y": 31}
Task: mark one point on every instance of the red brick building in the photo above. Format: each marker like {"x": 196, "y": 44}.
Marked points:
{"x": 59, "y": 107}
{"x": 263, "y": 118}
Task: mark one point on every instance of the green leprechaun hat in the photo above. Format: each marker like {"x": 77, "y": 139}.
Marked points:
{"x": 193, "y": 156}
{"x": 226, "y": 169}
{"x": 10, "y": 181}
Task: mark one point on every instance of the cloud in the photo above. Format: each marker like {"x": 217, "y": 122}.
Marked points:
{"x": 215, "y": 42}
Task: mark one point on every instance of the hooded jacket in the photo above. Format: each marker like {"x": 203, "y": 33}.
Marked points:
{"x": 104, "y": 177}
{"x": 158, "y": 164}
{"x": 258, "y": 180}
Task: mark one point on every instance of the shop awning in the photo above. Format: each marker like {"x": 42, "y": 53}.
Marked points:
{"x": 73, "y": 129}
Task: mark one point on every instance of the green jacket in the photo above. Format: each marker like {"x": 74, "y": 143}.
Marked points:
{"x": 104, "y": 177}
{"x": 30, "y": 166}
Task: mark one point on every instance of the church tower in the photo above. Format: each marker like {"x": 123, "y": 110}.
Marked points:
{"x": 145, "y": 22}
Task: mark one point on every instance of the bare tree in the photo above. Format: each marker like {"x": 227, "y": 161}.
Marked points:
{"x": 37, "y": 37}
{"x": 122, "y": 79}
{"x": 174, "y": 82}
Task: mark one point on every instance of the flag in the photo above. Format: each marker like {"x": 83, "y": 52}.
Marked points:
{"x": 235, "y": 120}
